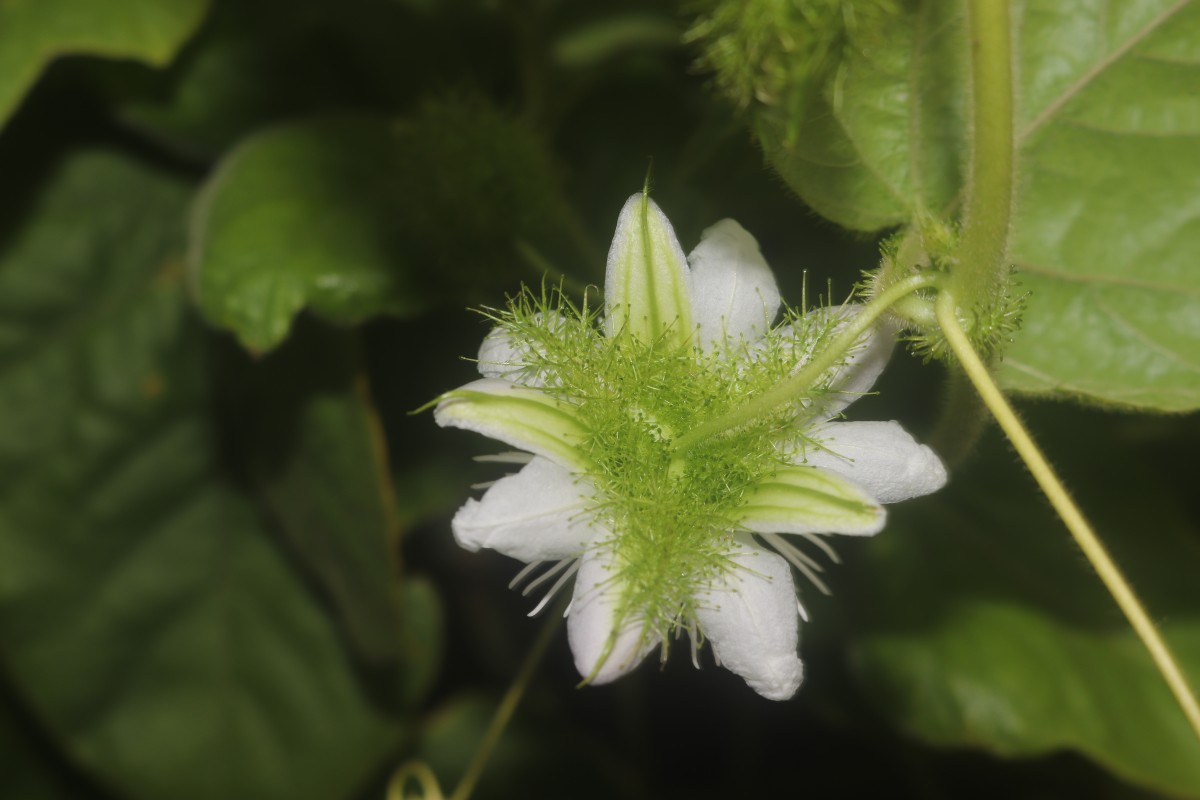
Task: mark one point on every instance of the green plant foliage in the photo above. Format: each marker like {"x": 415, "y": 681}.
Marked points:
{"x": 148, "y": 618}
{"x": 258, "y": 62}
{"x": 1108, "y": 222}
{"x": 981, "y": 625}
{"x": 360, "y": 216}
{"x": 34, "y": 32}
{"x": 310, "y": 440}
{"x": 1106, "y": 227}
{"x": 857, "y": 106}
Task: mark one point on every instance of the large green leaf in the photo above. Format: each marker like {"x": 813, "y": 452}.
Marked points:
{"x": 359, "y": 216}
{"x": 1108, "y": 208}
{"x": 34, "y": 32}
{"x": 1108, "y": 223}
{"x": 982, "y": 625}
{"x": 147, "y": 616}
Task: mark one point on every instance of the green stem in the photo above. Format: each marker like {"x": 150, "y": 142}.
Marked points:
{"x": 810, "y": 374}
{"x": 982, "y": 257}
{"x": 1070, "y": 514}
{"x": 507, "y": 706}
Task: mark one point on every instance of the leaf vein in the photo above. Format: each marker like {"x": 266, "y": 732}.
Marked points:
{"x": 1112, "y": 280}
{"x": 1086, "y": 79}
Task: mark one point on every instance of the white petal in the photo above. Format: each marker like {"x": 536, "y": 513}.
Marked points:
{"x": 806, "y": 499}
{"x": 879, "y": 456}
{"x": 538, "y": 514}
{"x": 733, "y": 290}
{"x": 602, "y": 653}
{"x": 522, "y": 417}
{"x": 646, "y": 281}
{"x": 498, "y": 358}
{"x": 863, "y": 365}
{"x": 751, "y": 618}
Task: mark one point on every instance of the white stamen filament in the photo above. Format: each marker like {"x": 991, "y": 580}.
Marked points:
{"x": 803, "y": 563}
{"x": 545, "y": 576}
{"x": 558, "y": 584}
{"x": 524, "y": 573}
{"x": 824, "y": 545}
{"x": 800, "y": 607}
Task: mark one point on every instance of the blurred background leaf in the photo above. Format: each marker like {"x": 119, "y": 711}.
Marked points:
{"x": 34, "y": 33}
{"x": 983, "y": 626}
{"x": 149, "y": 618}
{"x": 359, "y": 216}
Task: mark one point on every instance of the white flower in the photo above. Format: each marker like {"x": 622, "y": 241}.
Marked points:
{"x": 662, "y": 541}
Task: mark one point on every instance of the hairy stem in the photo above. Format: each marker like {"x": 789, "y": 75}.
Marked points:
{"x": 800, "y": 382}
{"x": 982, "y": 256}
{"x": 508, "y": 705}
{"x": 1070, "y": 514}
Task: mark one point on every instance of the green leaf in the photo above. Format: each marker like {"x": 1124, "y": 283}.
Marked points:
{"x": 298, "y": 216}
{"x": 861, "y": 114}
{"x": 422, "y": 638}
{"x": 34, "y": 32}
{"x": 304, "y": 423}
{"x": 32, "y": 768}
{"x": 1108, "y": 222}
{"x": 982, "y": 626}
{"x": 149, "y": 619}
{"x": 1108, "y": 208}
{"x": 355, "y": 217}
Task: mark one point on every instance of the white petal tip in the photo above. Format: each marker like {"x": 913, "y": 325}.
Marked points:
{"x": 780, "y": 678}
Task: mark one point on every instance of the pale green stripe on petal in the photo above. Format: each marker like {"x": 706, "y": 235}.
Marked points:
{"x": 646, "y": 285}
{"x": 801, "y": 499}
{"x": 526, "y": 418}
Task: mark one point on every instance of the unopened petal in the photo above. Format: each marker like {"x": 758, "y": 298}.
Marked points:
{"x": 646, "y": 282}
{"x": 522, "y": 417}
{"x": 733, "y": 291}
{"x": 538, "y": 514}
{"x": 750, "y": 616}
{"x": 879, "y": 456}
{"x": 603, "y": 652}
{"x": 805, "y": 499}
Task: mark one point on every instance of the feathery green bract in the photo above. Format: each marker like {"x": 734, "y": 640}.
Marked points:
{"x": 671, "y": 517}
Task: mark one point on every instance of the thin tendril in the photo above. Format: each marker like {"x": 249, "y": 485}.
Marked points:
{"x": 1067, "y": 511}
{"x": 505, "y": 710}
